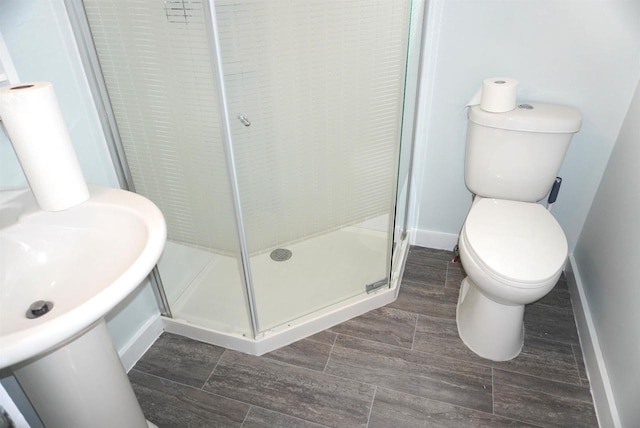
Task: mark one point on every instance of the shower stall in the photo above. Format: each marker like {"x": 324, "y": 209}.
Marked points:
{"x": 275, "y": 136}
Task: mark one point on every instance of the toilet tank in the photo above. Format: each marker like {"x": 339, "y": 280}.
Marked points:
{"x": 517, "y": 155}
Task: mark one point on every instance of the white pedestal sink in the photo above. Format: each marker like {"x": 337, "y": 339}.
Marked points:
{"x": 83, "y": 261}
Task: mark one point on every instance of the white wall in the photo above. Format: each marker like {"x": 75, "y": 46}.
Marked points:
{"x": 582, "y": 53}
{"x": 606, "y": 257}
{"x": 41, "y": 45}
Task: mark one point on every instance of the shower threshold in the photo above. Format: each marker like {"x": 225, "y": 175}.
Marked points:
{"x": 302, "y": 326}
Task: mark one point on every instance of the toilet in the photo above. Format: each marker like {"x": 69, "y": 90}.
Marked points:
{"x": 511, "y": 247}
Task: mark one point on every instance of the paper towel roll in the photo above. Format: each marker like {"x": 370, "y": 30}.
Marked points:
{"x": 499, "y": 94}
{"x": 32, "y": 117}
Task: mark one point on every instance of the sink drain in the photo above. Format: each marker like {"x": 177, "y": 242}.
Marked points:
{"x": 38, "y": 309}
{"x": 280, "y": 254}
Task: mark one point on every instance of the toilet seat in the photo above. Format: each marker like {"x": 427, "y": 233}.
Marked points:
{"x": 518, "y": 243}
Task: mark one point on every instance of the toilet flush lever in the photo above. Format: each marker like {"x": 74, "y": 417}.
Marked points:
{"x": 244, "y": 120}
{"x": 553, "y": 195}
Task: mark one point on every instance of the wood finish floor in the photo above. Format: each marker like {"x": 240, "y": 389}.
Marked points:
{"x": 402, "y": 365}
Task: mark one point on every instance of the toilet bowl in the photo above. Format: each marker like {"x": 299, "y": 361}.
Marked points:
{"x": 513, "y": 253}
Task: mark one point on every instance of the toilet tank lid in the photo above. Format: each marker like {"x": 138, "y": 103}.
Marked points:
{"x": 531, "y": 117}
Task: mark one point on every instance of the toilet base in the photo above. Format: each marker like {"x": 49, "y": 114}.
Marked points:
{"x": 492, "y": 330}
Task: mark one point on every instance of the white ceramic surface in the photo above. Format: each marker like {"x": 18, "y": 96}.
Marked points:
{"x": 519, "y": 243}
{"x": 85, "y": 260}
{"x": 490, "y": 309}
{"x": 82, "y": 384}
{"x": 517, "y": 155}
{"x": 512, "y": 249}
{"x": 490, "y": 329}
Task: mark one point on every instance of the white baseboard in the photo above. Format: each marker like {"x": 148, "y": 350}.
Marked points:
{"x": 601, "y": 390}
{"x": 141, "y": 342}
{"x": 432, "y": 239}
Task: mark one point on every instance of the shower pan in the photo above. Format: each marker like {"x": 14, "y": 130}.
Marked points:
{"x": 275, "y": 136}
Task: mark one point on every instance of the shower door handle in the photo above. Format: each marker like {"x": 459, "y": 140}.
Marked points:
{"x": 244, "y": 120}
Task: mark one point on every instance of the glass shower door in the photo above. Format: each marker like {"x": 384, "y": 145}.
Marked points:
{"x": 315, "y": 98}
{"x": 155, "y": 59}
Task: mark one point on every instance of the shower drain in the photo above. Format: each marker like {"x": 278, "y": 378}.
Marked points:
{"x": 280, "y": 254}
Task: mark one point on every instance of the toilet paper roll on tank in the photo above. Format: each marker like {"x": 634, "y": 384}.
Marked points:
{"x": 496, "y": 95}
{"x": 33, "y": 120}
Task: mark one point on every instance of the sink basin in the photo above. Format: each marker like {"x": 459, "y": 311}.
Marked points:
{"x": 85, "y": 260}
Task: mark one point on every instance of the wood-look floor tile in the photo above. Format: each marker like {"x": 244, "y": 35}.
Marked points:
{"x": 558, "y": 297}
{"x": 413, "y": 372}
{"x": 582, "y": 371}
{"x": 562, "y": 282}
{"x": 440, "y": 336}
{"x": 311, "y": 353}
{"x": 399, "y": 410}
{"x": 539, "y": 357}
{"x": 424, "y": 270}
{"x": 263, "y": 418}
{"x": 546, "y": 359}
{"x": 455, "y": 275}
{"x": 291, "y": 390}
{"x": 541, "y": 401}
{"x": 552, "y": 323}
{"x": 417, "y": 253}
{"x": 169, "y": 404}
{"x": 385, "y": 325}
{"x": 437, "y": 383}
{"x": 435, "y": 301}
{"x": 180, "y": 359}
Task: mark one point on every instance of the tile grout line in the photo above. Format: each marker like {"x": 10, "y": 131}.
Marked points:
{"x": 493, "y": 391}
{"x": 247, "y": 415}
{"x": 457, "y": 406}
{"x": 562, "y": 342}
{"x": 575, "y": 359}
{"x": 287, "y": 415}
{"x": 375, "y": 390}
{"x": 426, "y": 353}
{"x": 546, "y": 379}
{"x": 193, "y": 387}
{"x": 487, "y": 365}
{"x": 446, "y": 276}
{"x": 214, "y": 369}
{"x": 415, "y": 331}
{"x": 164, "y": 378}
{"x": 335, "y": 339}
{"x": 251, "y": 405}
{"x": 493, "y": 403}
{"x": 558, "y": 396}
{"x": 402, "y": 391}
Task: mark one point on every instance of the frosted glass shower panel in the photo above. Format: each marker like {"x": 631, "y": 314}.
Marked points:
{"x": 321, "y": 82}
{"x": 155, "y": 59}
